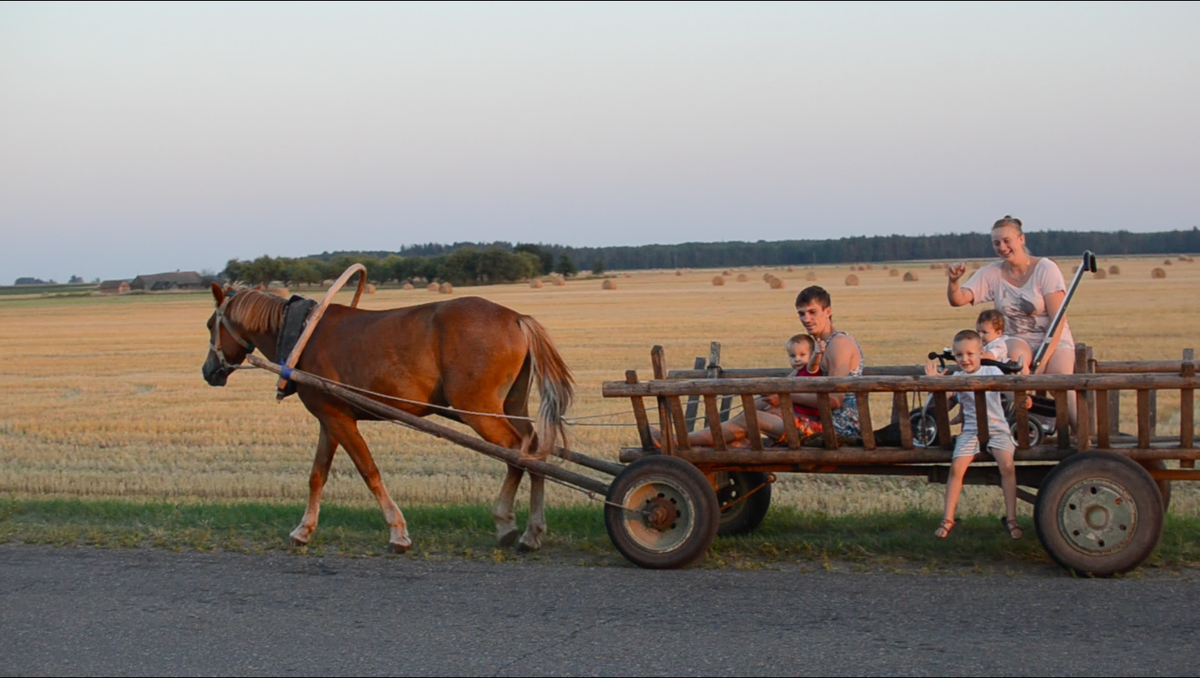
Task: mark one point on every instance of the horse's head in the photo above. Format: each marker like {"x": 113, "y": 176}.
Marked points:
{"x": 226, "y": 347}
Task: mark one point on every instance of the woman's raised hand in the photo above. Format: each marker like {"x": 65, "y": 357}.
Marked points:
{"x": 956, "y": 271}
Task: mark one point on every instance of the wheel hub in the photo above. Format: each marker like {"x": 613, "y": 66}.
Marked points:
{"x": 659, "y": 516}
{"x": 1097, "y": 516}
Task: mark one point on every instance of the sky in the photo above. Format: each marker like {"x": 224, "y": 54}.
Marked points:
{"x": 138, "y": 138}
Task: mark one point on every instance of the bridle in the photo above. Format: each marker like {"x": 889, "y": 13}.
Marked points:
{"x": 214, "y": 342}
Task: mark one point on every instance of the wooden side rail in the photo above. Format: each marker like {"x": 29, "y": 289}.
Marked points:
{"x": 1097, "y": 397}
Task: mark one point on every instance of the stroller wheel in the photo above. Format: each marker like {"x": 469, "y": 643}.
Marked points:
{"x": 1035, "y": 432}
{"x": 924, "y": 429}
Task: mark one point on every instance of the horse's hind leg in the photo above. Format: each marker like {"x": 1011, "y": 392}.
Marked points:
{"x": 345, "y": 431}
{"x": 502, "y": 512}
{"x": 536, "y": 528}
{"x": 326, "y": 447}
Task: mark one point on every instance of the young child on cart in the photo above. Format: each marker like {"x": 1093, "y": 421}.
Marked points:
{"x": 968, "y": 353}
{"x": 804, "y": 356}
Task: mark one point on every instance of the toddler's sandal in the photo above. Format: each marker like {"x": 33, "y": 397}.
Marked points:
{"x": 943, "y": 530}
{"x": 1014, "y": 529}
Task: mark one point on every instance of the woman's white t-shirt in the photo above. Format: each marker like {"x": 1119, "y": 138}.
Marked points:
{"x": 1024, "y": 307}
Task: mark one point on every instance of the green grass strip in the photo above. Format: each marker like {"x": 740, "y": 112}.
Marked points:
{"x": 577, "y": 534}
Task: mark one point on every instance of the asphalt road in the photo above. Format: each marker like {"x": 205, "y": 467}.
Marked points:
{"x": 138, "y": 612}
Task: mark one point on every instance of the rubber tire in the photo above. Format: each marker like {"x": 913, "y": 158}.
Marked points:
{"x": 914, "y": 419}
{"x": 746, "y": 516}
{"x": 1164, "y": 486}
{"x": 1120, "y": 469}
{"x": 687, "y": 479}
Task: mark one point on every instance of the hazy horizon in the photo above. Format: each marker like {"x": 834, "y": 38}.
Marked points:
{"x": 144, "y": 138}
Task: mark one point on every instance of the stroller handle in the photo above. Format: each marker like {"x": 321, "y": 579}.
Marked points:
{"x": 1088, "y": 265}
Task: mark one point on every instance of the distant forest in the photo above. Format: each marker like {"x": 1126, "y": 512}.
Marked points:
{"x": 482, "y": 263}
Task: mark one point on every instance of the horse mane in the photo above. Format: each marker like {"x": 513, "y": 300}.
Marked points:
{"x": 257, "y": 311}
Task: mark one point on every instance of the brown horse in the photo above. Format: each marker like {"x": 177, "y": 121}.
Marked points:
{"x": 469, "y": 354}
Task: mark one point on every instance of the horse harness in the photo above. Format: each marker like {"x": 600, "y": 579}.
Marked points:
{"x": 214, "y": 342}
{"x": 296, "y": 312}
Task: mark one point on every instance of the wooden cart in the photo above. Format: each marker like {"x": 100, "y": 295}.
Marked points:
{"x": 1100, "y": 494}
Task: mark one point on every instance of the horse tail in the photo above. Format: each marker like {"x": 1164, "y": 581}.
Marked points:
{"x": 555, "y": 383}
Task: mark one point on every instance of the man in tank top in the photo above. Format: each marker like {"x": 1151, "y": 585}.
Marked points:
{"x": 843, "y": 357}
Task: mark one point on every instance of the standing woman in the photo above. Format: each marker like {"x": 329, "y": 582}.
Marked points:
{"x": 1028, "y": 290}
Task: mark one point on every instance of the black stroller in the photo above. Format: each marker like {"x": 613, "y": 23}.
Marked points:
{"x": 1042, "y": 416}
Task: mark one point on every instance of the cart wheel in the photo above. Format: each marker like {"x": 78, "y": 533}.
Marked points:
{"x": 744, "y": 516}
{"x": 1164, "y": 486}
{"x": 1098, "y": 513}
{"x": 924, "y": 428}
{"x": 661, "y": 513}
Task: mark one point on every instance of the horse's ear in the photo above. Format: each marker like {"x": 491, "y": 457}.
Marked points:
{"x": 218, "y": 294}
{"x": 259, "y": 287}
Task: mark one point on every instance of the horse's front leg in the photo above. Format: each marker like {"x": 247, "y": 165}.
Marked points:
{"x": 502, "y": 512}
{"x": 345, "y": 431}
{"x": 326, "y": 447}
{"x": 536, "y": 528}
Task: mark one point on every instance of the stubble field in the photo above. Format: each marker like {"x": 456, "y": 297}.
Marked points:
{"x": 101, "y": 398}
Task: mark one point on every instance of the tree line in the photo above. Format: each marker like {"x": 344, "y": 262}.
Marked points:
{"x": 496, "y": 262}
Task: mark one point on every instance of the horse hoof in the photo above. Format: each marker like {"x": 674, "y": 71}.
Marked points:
{"x": 298, "y": 544}
{"x": 399, "y": 548}
{"x": 524, "y": 547}
{"x": 507, "y": 539}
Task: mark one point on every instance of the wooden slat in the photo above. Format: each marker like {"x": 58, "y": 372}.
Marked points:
{"x": 752, "y": 431}
{"x": 981, "y": 420}
{"x": 1103, "y": 426}
{"x": 713, "y": 418}
{"x": 941, "y": 415}
{"x": 681, "y": 429}
{"x": 1063, "y": 420}
{"x": 1022, "y": 420}
{"x": 1114, "y": 412}
{"x": 864, "y": 420}
{"x": 900, "y": 404}
{"x": 658, "y": 363}
{"x": 1143, "y": 418}
{"x": 639, "y": 414}
{"x": 693, "y": 401}
{"x": 826, "y": 411}
{"x": 789, "y": 425}
{"x": 1153, "y": 412}
{"x": 1083, "y": 415}
{"x": 1187, "y": 403}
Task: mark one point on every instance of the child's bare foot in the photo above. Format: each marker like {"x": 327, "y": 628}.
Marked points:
{"x": 943, "y": 530}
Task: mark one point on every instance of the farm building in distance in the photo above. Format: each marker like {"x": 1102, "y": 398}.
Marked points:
{"x": 114, "y": 287}
{"x": 159, "y": 282}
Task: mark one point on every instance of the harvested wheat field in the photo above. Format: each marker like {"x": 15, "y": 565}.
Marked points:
{"x": 101, "y": 397}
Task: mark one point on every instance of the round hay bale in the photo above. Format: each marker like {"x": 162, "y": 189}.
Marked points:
{"x": 557, "y": 281}
{"x": 536, "y": 283}
{"x": 811, "y": 276}
{"x": 407, "y": 286}
{"x": 678, "y": 272}
{"x": 1166, "y": 262}
{"x": 608, "y": 284}
{"x": 742, "y": 278}
{"x": 767, "y": 276}
{"x": 1100, "y": 274}
{"x": 727, "y": 273}
{"x": 933, "y": 267}
{"x": 1158, "y": 273}
{"x": 718, "y": 280}
{"x": 446, "y": 288}
{"x": 371, "y": 289}
{"x": 775, "y": 283}
{"x": 628, "y": 275}
{"x": 790, "y": 269}
{"x": 894, "y": 273}
{"x": 281, "y": 291}
{"x": 1114, "y": 270}
{"x": 433, "y": 287}
{"x": 851, "y": 280}
{"x": 909, "y": 276}
{"x": 885, "y": 267}
{"x": 326, "y": 283}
